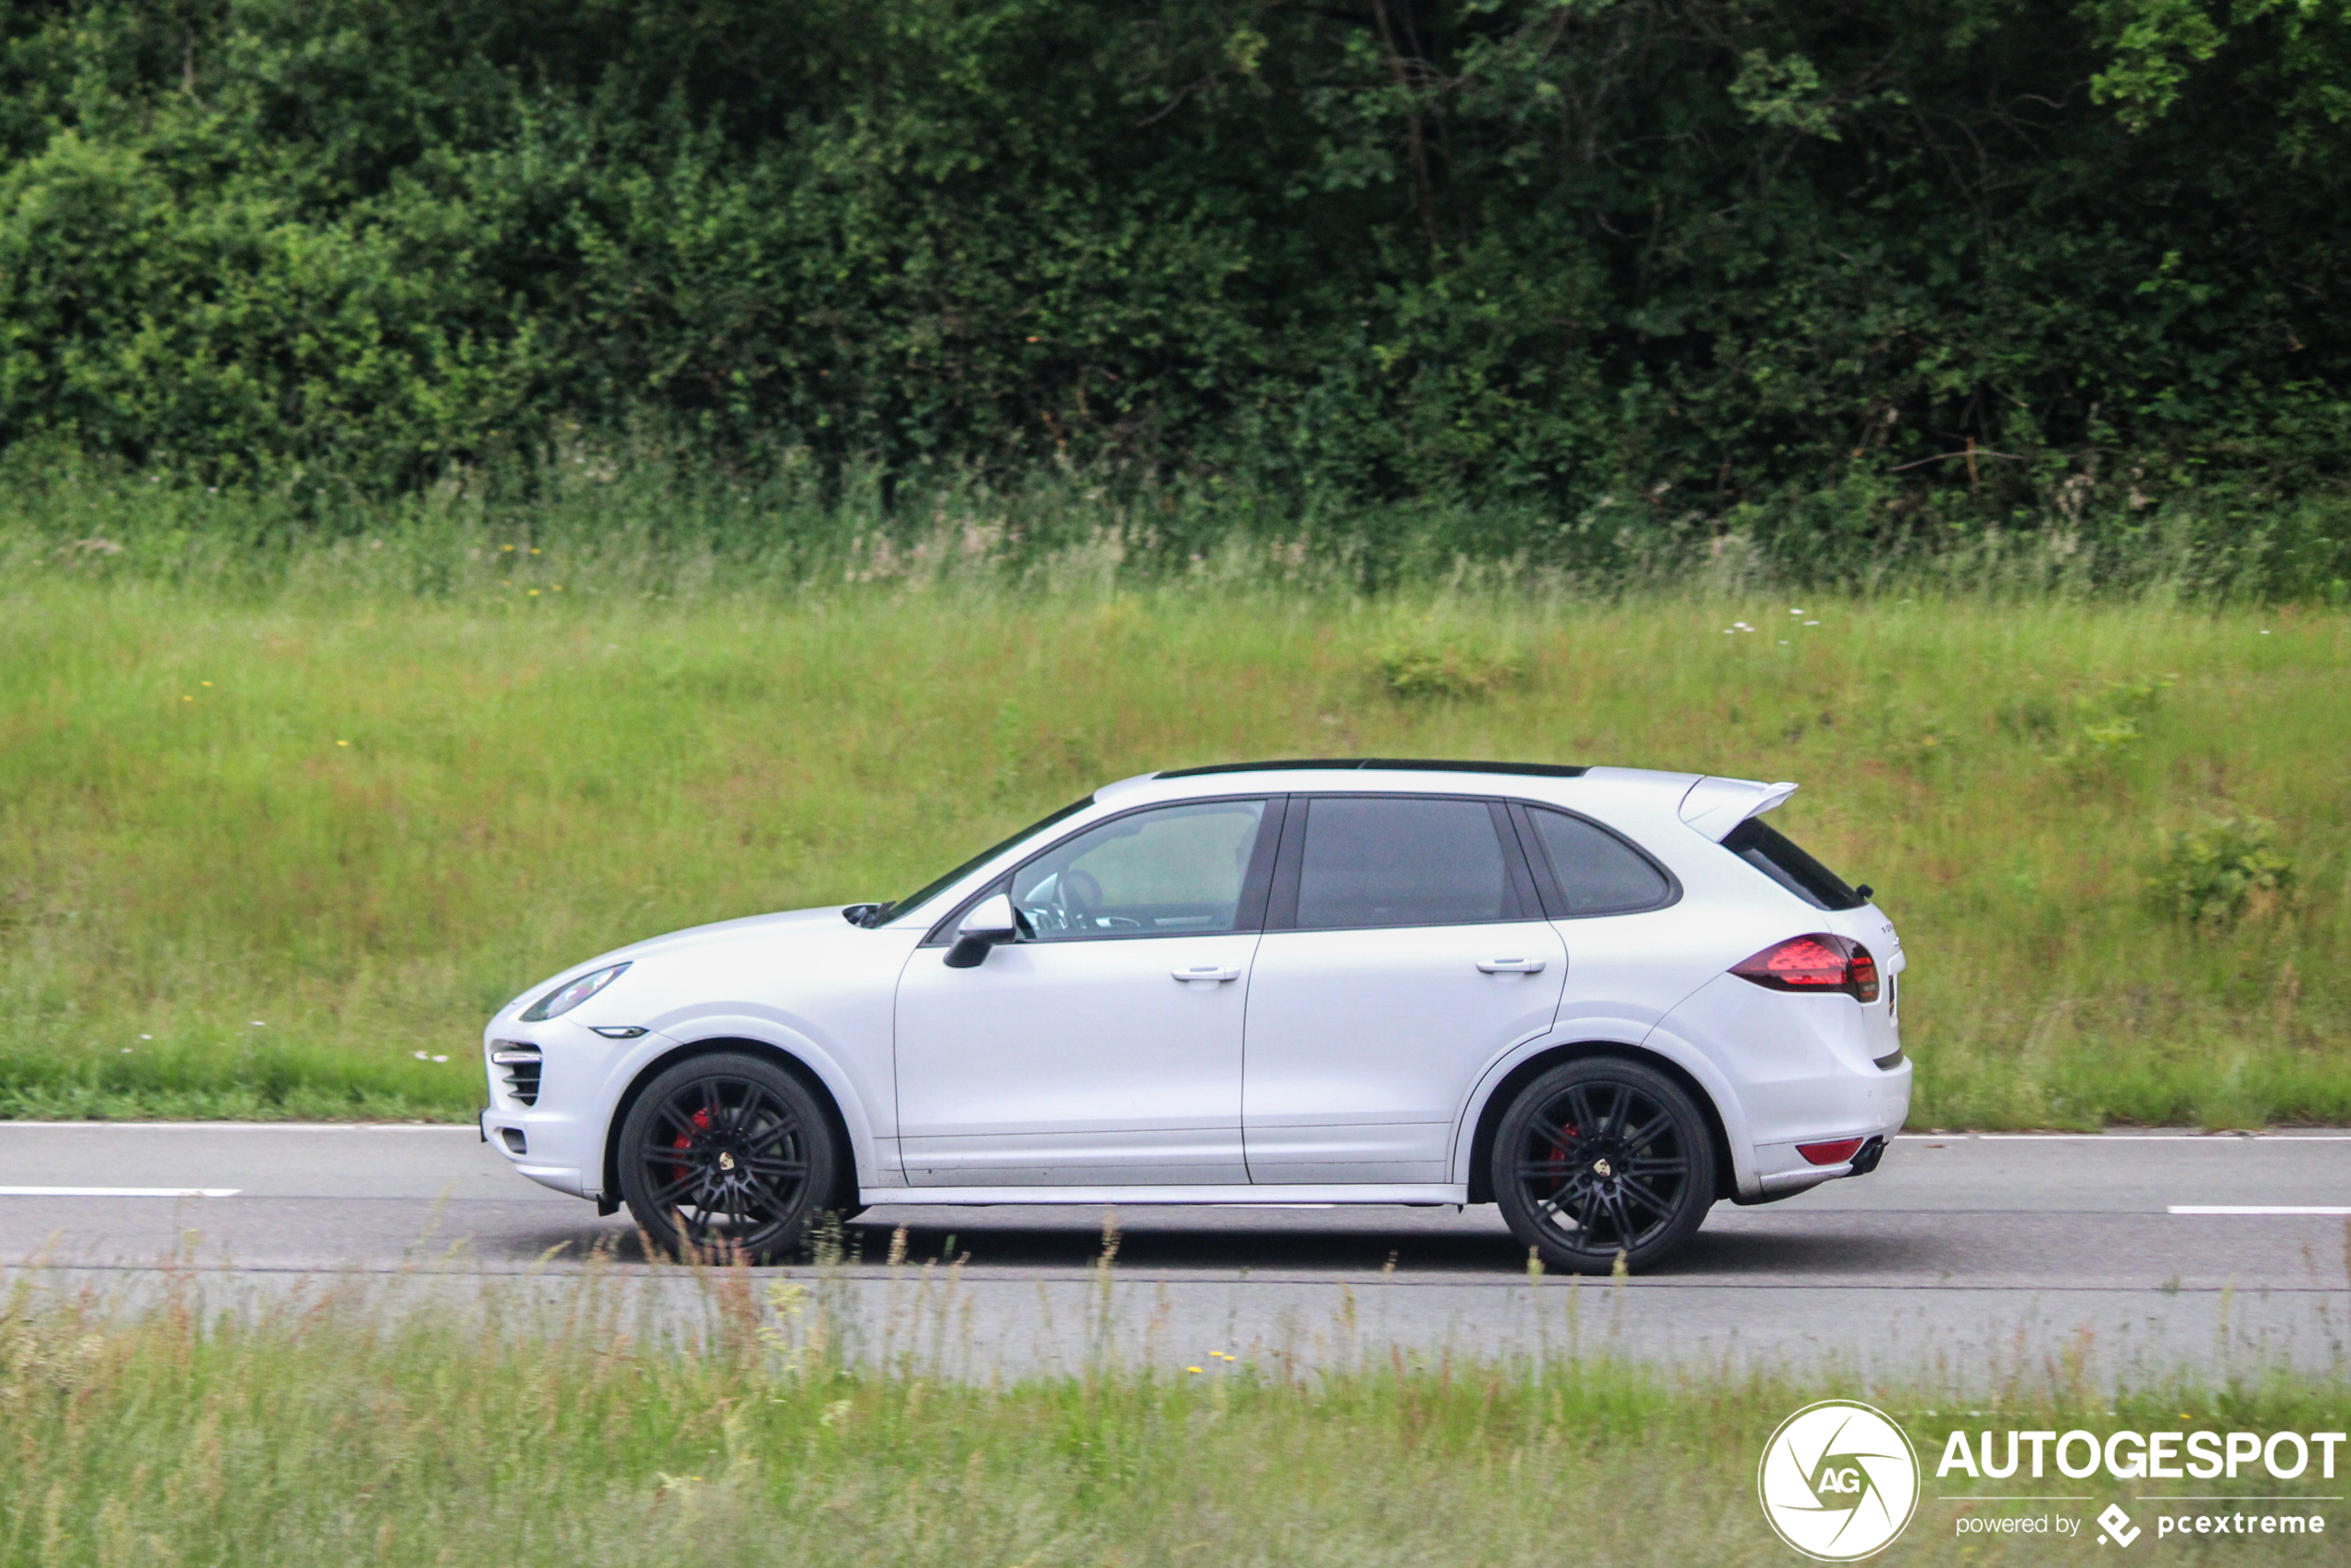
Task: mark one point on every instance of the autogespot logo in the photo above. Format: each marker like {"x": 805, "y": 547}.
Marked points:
{"x": 1838, "y": 1481}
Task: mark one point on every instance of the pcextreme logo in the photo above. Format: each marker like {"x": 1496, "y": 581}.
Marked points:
{"x": 1838, "y": 1481}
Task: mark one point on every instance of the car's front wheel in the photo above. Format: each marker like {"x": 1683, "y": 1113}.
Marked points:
{"x": 1603, "y": 1158}
{"x": 725, "y": 1156}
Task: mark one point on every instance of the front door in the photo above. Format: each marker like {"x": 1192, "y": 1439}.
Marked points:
{"x": 1104, "y": 1047}
{"x": 1403, "y": 953}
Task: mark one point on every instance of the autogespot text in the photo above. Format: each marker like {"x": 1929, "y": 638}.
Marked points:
{"x": 2134, "y": 1456}
{"x": 2147, "y": 1456}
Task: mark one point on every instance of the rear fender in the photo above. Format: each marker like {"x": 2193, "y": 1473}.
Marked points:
{"x": 1738, "y": 1132}
{"x": 1597, "y": 1037}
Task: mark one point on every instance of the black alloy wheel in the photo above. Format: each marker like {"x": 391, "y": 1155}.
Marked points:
{"x": 727, "y": 1156}
{"x": 1602, "y": 1158}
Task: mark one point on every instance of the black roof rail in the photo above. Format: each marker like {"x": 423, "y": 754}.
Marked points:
{"x": 1389, "y": 764}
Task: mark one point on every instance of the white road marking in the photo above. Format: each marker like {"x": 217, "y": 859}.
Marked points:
{"x": 244, "y": 1126}
{"x": 2195, "y": 1137}
{"x": 2260, "y": 1208}
{"x": 119, "y": 1191}
{"x": 2208, "y": 1137}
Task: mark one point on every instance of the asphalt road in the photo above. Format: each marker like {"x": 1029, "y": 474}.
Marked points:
{"x": 1980, "y": 1255}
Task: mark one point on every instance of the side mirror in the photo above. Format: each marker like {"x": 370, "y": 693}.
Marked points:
{"x": 989, "y": 923}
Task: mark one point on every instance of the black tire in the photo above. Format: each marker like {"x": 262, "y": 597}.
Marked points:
{"x": 728, "y": 1156}
{"x": 1602, "y": 1157}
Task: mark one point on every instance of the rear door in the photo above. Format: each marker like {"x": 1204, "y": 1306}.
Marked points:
{"x": 1405, "y": 949}
{"x": 1613, "y": 904}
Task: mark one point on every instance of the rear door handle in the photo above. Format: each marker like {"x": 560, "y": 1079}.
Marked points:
{"x": 1511, "y": 965}
{"x": 1210, "y": 972}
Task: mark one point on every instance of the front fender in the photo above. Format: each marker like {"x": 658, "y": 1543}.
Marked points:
{"x": 864, "y": 1113}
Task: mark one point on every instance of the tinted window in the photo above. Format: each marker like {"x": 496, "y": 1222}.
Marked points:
{"x": 1598, "y": 872}
{"x": 1401, "y": 863}
{"x": 1774, "y": 854}
{"x": 1172, "y": 871}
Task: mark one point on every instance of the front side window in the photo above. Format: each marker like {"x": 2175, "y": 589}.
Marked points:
{"x": 1173, "y": 871}
{"x": 1598, "y": 873}
{"x": 1401, "y": 861}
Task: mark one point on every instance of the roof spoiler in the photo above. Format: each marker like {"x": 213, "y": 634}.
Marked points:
{"x": 1715, "y": 806}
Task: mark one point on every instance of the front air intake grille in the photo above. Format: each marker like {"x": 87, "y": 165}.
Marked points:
{"x": 519, "y": 1064}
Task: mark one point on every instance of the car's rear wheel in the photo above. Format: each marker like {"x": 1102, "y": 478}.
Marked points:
{"x": 1603, "y": 1158}
{"x": 727, "y": 1156}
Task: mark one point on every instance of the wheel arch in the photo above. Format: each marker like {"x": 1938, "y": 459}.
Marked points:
{"x": 813, "y": 1081}
{"x": 1498, "y": 1104}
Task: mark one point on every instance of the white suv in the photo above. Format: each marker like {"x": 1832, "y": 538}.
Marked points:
{"x": 1602, "y": 998}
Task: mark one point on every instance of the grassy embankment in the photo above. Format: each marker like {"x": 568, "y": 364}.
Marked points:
{"x": 261, "y": 845}
{"x": 563, "y": 1426}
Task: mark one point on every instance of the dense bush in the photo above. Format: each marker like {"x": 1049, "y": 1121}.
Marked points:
{"x": 2218, "y": 873}
{"x": 1686, "y": 258}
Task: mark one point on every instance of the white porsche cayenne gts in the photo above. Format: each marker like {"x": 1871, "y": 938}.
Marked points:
{"x": 1602, "y": 998}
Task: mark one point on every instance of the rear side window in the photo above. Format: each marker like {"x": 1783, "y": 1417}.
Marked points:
{"x": 1401, "y": 861}
{"x": 1775, "y": 855}
{"x": 1596, "y": 872}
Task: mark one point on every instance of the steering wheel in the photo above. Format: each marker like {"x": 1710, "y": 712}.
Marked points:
{"x": 1081, "y": 894}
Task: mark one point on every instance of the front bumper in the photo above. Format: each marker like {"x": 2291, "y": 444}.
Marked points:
{"x": 554, "y": 1139}
{"x": 509, "y": 1133}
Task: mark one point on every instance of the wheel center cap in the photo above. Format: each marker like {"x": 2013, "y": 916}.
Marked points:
{"x": 1600, "y": 1168}
{"x": 725, "y": 1161}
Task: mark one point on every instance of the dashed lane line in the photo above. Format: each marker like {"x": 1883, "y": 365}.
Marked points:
{"x": 119, "y": 1191}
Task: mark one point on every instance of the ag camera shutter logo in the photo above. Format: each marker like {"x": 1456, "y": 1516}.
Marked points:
{"x": 1838, "y": 1481}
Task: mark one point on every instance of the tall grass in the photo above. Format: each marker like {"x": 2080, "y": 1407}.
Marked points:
{"x": 566, "y": 1422}
{"x": 654, "y": 513}
{"x": 278, "y": 816}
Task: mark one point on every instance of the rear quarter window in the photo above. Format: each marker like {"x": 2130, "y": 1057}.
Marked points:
{"x": 1777, "y": 856}
{"x": 1595, "y": 871}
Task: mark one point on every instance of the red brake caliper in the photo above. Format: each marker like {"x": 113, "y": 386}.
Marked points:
{"x": 1559, "y": 1153}
{"x": 685, "y": 1140}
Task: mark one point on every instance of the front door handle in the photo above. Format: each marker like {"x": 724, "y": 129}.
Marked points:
{"x": 1511, "y": 965}
{"x": 1208, "y": 972}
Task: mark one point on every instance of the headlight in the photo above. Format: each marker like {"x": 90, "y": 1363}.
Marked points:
{"x": 563, "y": 998}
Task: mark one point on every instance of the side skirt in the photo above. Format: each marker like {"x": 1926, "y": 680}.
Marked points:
{"x": 1418, "y": 1194}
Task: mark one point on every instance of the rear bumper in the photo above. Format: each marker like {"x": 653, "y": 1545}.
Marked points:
{"x": 1804, "y": 1070}
{"x": 1782, "y": 1173}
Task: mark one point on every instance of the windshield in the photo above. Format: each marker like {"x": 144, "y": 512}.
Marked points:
{"x": 876, "y": 914}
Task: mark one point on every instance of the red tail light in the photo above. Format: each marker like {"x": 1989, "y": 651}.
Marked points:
{"x": 1818, "y": 963}
{"x": 1832, "y": 1153}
